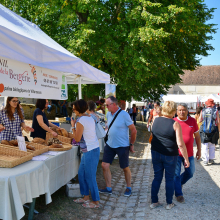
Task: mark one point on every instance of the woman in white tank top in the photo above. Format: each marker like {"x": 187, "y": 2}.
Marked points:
{"x": 84, "y": 132}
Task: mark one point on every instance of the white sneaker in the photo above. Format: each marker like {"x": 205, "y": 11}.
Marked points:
{"x": 170, "y": 206}
{"x": 205, "y": 163}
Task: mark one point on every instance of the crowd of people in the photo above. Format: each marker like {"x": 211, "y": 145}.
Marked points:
{"x": 173, "y": 134}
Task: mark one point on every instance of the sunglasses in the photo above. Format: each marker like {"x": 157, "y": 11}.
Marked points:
{"x": 15, "y": 101}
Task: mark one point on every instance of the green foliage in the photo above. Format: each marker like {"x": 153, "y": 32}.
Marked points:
{"x": 144, "y": 45}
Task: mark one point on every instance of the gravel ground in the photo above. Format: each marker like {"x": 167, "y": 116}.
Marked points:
{"x": 201, "y": 193}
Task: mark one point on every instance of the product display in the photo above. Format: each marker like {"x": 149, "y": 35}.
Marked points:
{"x": 30, "y": 147}
{"x": 64, "y": 132}
{"x": 39, "y": 141}
{"x": 51, "y": 141}
{"x": 60, "y": 137}
{"x": 6, "y": 143}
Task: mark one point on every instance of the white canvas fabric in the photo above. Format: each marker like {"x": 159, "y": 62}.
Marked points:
{"x": 24, "y": 41}
{"x": 181, "y": 98}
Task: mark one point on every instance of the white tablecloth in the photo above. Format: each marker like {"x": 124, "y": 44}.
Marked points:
{"x": 19, "y": 185}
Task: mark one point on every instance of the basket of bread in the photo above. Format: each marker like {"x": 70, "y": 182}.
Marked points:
{"x": 36, "y": 147}
{"x": 11, "y": 157}
{"x": 56, "y": 145}
{"x": 63, "y": 135}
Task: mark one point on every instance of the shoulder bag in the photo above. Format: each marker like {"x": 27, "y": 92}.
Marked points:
{"x": 106, "y": 136}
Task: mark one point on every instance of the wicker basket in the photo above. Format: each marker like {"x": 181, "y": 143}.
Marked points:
{"x": 11, "y": 157}
{"x": 39, "y": 148}
{"x": 65, "y": 147}
{"x": 61, "y": 138}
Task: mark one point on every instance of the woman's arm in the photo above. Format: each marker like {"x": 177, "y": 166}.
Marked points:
{"x": 2, "y": 127}
{"x": 179, "y": 139}
{"x": 26, "y": 128}
{"x": 200, "y": 117}
{"x": 53, "y": 125}
{"x": 44, "y": 126}
{"x": 78, "y": 131}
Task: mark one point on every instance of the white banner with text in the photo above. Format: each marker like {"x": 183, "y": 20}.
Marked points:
{"x": 19, "y": 79}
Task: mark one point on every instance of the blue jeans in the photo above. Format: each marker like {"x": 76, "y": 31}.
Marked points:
{"x": 134, "y": 118}
{"x": 180, "y": 180}
{"x": 87, "y": 173}
{"x": 161, "y": 163}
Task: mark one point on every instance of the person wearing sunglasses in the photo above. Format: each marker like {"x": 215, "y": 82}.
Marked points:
{"x": 118, "y": 143}
{"x": 12, "y": 120}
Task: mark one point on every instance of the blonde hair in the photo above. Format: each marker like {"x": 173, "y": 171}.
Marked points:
{"x": 168, "y": 108}
{"x": 158, "y": 108}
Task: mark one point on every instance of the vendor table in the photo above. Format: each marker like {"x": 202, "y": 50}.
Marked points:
{"x": 19, "y": 185}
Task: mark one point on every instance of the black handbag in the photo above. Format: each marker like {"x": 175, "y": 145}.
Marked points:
{"x": 106, "y": 136}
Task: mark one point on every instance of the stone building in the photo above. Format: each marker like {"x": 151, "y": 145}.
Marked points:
{"x": 205, "y": 80}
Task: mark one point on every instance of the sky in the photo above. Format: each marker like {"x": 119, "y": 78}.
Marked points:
{"x": 214, "y": 57}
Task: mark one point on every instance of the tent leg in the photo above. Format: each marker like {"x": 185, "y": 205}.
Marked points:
{"x": 79, "y": 89}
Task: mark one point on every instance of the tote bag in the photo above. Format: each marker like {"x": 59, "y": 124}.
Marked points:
{"x": 100, "y": 132}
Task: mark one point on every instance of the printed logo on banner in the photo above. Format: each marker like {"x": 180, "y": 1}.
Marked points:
{"x": 34, "y": 72}
{"x": 64, "y": 88}
{"x": 1, "y": 88}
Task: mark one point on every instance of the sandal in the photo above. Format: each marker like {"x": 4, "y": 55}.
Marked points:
{"x": 91, "y": 205}
{"x": 81, "y": 201}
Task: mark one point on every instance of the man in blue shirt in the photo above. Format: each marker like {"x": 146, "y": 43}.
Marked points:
{"x": 118, "y": 143}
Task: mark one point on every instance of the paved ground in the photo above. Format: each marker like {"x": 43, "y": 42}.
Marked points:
{"x": 202, "y": 193}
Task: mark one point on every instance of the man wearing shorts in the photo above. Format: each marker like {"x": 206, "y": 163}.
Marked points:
{"x": 118, "y": 143}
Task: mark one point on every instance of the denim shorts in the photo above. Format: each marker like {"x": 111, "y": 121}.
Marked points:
{"x": 122, "y": 152}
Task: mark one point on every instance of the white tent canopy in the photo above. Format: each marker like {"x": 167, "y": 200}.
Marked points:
{"x": 182, "y": 98}
{"x": 25, "y": 42}
{"x": 215, "y": 97}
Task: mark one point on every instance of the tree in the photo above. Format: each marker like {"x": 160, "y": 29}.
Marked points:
{"x": 144, "y": 45}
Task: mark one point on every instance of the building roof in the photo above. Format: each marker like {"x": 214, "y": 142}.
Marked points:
{"x": 203, "y": 75}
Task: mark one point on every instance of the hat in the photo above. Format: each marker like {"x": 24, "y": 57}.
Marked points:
{"x": 210, "y": 102}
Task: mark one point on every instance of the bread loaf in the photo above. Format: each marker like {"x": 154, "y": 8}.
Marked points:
{"x": 30, "y": 147}
{"x": 59, "y": 132}
{"x": 54, "y": 129}
{"x": 6, "y": 142}
{"x": 14, "y": 142}
{"x": 53, "y": 141}
{"x": 39, "y": 141}
{"x": 64, "y": 132}
{"x": 56, "y": 146}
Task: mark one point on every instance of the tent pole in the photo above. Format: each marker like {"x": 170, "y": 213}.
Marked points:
{"x": 79, "y": 89}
